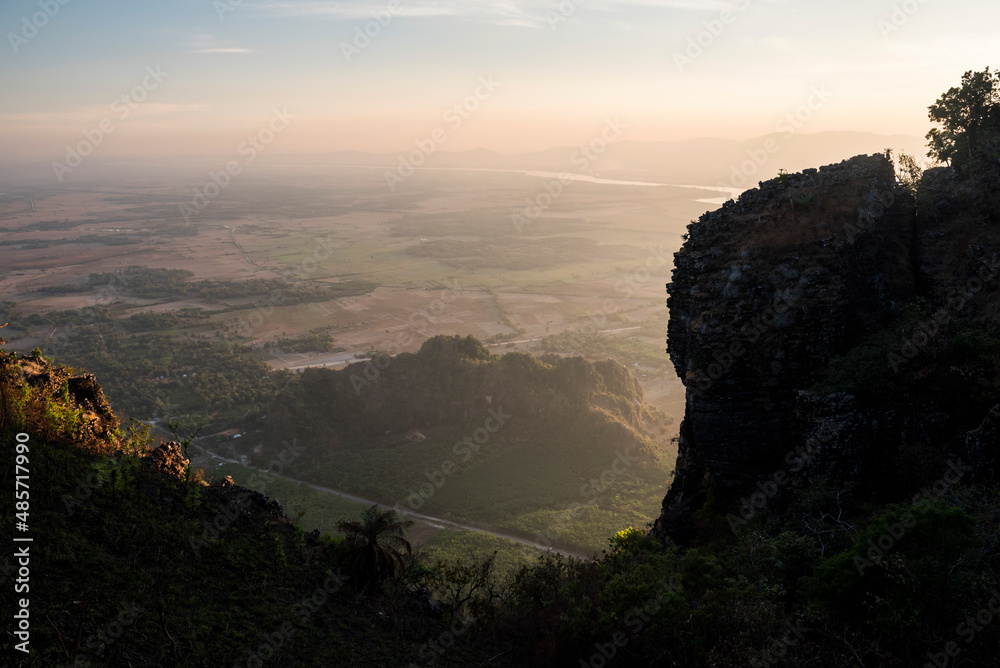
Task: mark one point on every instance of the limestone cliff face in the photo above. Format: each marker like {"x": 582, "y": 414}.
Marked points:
{"x": 766, "y": 292}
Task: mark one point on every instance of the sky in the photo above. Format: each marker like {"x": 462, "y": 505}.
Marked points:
{"x": 145, "y": 78}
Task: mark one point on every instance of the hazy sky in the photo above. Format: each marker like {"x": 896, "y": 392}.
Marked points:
{"x": 560, "y": 69}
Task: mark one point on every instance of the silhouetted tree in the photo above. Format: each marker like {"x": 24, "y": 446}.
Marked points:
{"x": 376, "y": 544}
{"x": 969, "y": 117}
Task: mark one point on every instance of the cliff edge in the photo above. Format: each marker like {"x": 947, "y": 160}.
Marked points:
{"x": 814, "y": 323}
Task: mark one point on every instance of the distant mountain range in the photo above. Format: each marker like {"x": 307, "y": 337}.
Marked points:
{"x": 705, "y": 161}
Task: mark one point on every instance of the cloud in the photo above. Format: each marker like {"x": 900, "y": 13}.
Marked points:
{"x": 353, "y": 10}
{"x": 205, "y": 43}
{"x": 523, "y": 13}
{"x": 220, "y": 49}
{"x": 694, "y": 5}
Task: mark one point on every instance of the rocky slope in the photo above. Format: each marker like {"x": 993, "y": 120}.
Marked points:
{"x": 802, "y": 324}
{"x": 136, "y": 561}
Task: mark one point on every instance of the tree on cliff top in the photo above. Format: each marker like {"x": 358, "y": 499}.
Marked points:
{"x": 969, "y": 117}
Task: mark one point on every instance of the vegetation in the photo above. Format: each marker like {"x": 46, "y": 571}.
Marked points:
{"x": 106, "y": 239}
{"x": 595, "y": 346}
{"x": 968, "y": 138}
{"x": 557, "y": 451}
{"x": 314, "y": 341}
{"x": 376, "y": 547}
{"x": 315, "y": 509}
{"x": 908, "y": 171}
{"x": 145, "y": 568}
{"x": 139, "y": 561}
{"x": 504, "y": 316}
{"x": 209, "y": 382}
{"x": 137, "y": 567}
{"x": 515, "y": 253}
{"x": 969, "y": 116}
{"x": 154, "y": 283}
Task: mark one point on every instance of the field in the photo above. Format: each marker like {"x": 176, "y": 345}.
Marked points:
{"x": 285, "y": 256}
{"x": 316, "y": 510}
{"x": 524, "y": 489}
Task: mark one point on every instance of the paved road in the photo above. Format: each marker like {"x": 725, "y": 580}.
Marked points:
{"x": 438, "y": 522}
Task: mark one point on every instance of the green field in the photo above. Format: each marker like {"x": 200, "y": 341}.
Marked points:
{"x": 528, "y": 491}
{"x": 313, "y": 509}
{"x": 525, "y": 489}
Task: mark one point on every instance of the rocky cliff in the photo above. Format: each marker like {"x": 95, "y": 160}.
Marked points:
{"x": 814, "y": 323}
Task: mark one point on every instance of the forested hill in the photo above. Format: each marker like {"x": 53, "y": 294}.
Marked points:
{"x": 451, "y": 388}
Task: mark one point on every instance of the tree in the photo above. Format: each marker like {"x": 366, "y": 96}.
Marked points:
{"x": 376, "y": 544}
{"x": 908, "y": 170}
{"x": 470, "y": 581}
{"x": 969, "y": 117}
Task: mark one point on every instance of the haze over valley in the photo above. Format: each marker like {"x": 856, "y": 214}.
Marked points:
{"x": 620, "y": 333}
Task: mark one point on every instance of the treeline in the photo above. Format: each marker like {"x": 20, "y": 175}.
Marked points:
{"x": 102, "y": 315}
{"x": 159, "y": 376}
{"x": 160, "y": 283}
{"x": 595, "y": 346}
{"x": 441, "y": 388}
{"x": 313, "y": 342}
{"x": 106, "y": 239}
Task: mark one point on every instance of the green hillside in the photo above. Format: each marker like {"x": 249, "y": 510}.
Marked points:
{"x": 558, "y": 450}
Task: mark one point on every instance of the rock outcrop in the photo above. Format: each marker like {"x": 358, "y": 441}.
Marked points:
{"x": 169, "y": 458}
{"x": 84, "y": 411}
{"x": 770, "y": 289}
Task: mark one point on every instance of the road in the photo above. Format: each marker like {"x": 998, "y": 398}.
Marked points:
{"x": 232, "y": 235}
{"x": 328, "y": 360}
{"x": 438, "y": 522}
{"x": 540, "y": 338}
